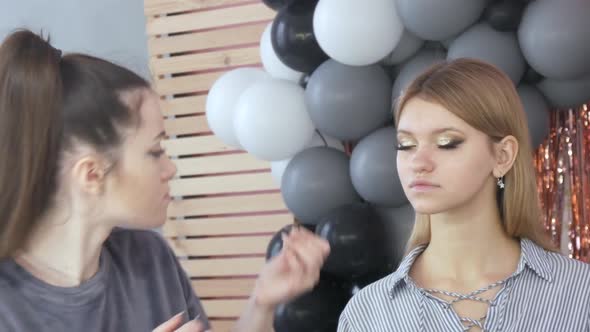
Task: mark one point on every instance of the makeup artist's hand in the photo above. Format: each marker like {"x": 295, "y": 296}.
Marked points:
{"x": 174, "y": 325}
{"x": 294, "y": 271}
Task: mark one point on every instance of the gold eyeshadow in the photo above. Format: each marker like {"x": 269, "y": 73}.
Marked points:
{"x": 447, "y": 141}
{"x": 404, "y": 141}
{"x": 444, "y": 140}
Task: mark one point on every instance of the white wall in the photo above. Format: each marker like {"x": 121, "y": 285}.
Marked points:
{"x": 111, "y": 29}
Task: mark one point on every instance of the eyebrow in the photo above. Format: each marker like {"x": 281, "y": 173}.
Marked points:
{"x": 160, "y": 136}
{"x": 437, "y": 131}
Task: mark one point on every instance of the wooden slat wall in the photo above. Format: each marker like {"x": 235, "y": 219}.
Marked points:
{"x": 226, "y": 205}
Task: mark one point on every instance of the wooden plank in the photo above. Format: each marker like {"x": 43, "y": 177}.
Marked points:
{"x": 225, "y": 37}
{"x": 224, "y": 308}
{"x": 222, "y": 325}
{"x": 220, "y": 246}
{"x": 227, "y": 205}
{"x": 185, "y": 105}
{"x": 226, "y": 34}
{"x": 210, "y": 19}
{"x": 227, "y": 225}
{"x": 187, "y": 84}
{"x": 195, "y": 145}
{"x": 206, "y": 61}
{"x": 187, "y": 125}
{"x": 234, "y": 183}
{"x": 156, "y": 7}
{"x": 222, "y": 267}
{"x": 219, "y": 164}
{"x": 224, "y": 287}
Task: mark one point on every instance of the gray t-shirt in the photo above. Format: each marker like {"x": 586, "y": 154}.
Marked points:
{"x": 139, "y": 285}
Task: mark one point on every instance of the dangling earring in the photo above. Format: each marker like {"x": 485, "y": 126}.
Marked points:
{"x": 501, "y": 182}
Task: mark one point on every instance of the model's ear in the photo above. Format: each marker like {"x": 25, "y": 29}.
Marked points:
{"x": 505, "y": 154}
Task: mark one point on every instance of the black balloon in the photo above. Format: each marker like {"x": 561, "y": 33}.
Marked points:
{"x": 504, "y": 15}
{"x": 277, "y": 4}
{"x": 276, "y": 242}
{"x": 357, "y": 240}
{"x": 315, "y": 311}
{"x": 293, "y": 39}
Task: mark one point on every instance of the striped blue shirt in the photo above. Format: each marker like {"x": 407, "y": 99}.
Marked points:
{"x": 548, "y": 292}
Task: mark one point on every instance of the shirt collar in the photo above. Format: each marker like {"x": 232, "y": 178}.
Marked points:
{"x": 535, "y": 258}
{"x": 531, "y": 256}
{"x": 405, "y": 266}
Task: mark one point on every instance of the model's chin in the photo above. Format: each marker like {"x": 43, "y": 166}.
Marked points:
{"x": 425, "y": 206}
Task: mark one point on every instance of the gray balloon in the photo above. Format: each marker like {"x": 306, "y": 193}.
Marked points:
{"x": 536, "y": 109}
{"x": 399, "y": 223}
{"x": 373, "y": 169}
{"x": 408, "y": 45}
{"x": 500, "y": 49}
{"x": 414, "y": 67}
{"x": 554, "y": 38}
{"x": 316, "y": 181}
{"x": 348, "y": 102}
{"x": 564, "y": 94}
{"x": 439, "y": 20}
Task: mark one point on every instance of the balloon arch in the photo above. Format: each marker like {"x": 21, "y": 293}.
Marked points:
{"x": 331, "y": 71}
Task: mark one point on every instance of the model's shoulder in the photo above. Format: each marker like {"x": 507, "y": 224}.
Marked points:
{"x": 382, "y": 293}
{"x": 558, "y": 268}
{"x": 565, "y": 268}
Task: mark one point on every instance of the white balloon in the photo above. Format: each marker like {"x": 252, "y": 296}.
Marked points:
{"x": 271, "y": 120}
{"x": 357, "y": 33}
{"x": 277, "y": 168}
{"x": 222, "y": 98}
{"x": 271, "y": 62}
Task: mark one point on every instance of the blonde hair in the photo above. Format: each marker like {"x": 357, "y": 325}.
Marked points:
{"x": 485, "y": 98}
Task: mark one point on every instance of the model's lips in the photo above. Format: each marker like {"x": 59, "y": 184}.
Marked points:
{"x": 167, "y": 197}
{"x": 422, "y": 185}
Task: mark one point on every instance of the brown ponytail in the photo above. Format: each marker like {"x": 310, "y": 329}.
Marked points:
{"x": 47, "y": 104}
{"x": 30, "y": 130}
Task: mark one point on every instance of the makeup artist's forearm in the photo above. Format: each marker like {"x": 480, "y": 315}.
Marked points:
{"x": 255, "y": 318}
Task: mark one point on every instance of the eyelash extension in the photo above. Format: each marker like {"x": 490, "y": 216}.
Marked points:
{"x": 157, "y": 154}
{"x": 403, "y": 148}
{"x": 450, "y": 146}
